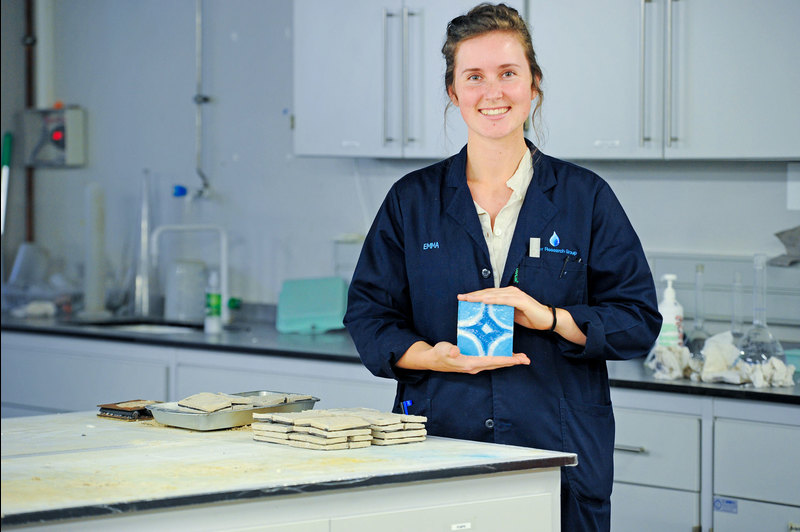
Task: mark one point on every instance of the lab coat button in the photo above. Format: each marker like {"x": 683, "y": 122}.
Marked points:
{"x": 489, "y": 423}
{"x": 486, "y": 272}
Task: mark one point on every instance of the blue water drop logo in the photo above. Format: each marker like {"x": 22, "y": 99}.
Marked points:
{"x": 554, "y": 240}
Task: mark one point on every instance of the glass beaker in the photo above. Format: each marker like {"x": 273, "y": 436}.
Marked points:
{"x": 758, "y": 345}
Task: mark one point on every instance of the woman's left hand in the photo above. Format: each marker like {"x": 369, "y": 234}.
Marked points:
{"x": 527, "y": 311}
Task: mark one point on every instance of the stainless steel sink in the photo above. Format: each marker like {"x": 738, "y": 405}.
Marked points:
{"x": 140, "y": 325}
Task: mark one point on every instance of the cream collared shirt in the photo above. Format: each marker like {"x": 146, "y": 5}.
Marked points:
{"x": 499, "y": 239}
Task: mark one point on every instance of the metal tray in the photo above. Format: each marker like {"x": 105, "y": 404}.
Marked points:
{"x": 177, "y": 416}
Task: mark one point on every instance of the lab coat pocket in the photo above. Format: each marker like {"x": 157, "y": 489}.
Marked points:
{"x": 588, "y": 431}
{"x": 553, "y": 280}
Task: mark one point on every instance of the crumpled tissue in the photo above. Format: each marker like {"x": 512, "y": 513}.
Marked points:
{"x": 719, "y": 363}
{"x": 669, "y": 362}
{"x": 35, "y": 309}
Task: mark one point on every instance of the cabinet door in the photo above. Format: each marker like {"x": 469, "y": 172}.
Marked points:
{"x": 735, "y": 515}
{"x": 347, "y": 90}
{"x": 430, "y": 132}
{"x": 734, "y": 81}
{"x": 755, "y": 461}
{"x": 45, "y": 375}
{"x": 602, "y": 65}
{"x": 635, "y": 508}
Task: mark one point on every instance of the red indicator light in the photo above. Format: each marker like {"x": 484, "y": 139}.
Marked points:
{"x": 57, "y": 135}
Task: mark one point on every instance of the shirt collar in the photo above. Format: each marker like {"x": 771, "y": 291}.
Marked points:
{"x": 522, "y": 177}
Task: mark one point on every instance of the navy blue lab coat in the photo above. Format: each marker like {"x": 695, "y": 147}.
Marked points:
{"x": 426, "y": 246}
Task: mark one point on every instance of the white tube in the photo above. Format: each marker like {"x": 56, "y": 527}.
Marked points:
{"x": 44, "y": 12}
{"x": 94, "y": 270}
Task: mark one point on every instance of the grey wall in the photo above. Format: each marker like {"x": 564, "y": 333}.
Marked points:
{"x": 131, "y": 65}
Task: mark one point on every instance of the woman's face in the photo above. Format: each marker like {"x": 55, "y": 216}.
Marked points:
{"x": 492, "y": 85}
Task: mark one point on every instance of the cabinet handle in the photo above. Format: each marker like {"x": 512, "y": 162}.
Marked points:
{"x": 630, "y": 448}
{"x": 386, "y": 138}
{"x": 406, "y": 14}
{"x": 670, "y": 138}
{"x": 642, "y": 39}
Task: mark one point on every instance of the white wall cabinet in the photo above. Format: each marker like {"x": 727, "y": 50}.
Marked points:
{"x": 369, "y": 78}
{"x": 669, "y": 79}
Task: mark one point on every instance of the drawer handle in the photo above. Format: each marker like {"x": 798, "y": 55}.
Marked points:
{"x": 629, "y": 448}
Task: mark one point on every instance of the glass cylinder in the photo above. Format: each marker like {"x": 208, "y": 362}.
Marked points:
{"x": 698, "y": 335}
{"x": 737, "y": 308}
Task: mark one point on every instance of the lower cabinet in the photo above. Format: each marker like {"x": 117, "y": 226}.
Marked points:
{"x": 756, "y": 462}
{"x": 701, "y": 463}
{"x": 531, "y": 513}
{"x": 336, "y": 384}
{"x": 53, "y": 374}
{"x": 635, "y": 508}
{"x": 656, "y": 471}
{"x": 741, "y": 515}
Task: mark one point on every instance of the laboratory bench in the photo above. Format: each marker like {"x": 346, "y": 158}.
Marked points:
{"x": 687, "y": 454}
{"x": 80, "y": 471}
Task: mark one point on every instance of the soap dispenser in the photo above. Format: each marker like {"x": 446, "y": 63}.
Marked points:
{"x": 672, "y": 314}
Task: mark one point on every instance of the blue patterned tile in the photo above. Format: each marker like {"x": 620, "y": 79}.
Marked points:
{"x": 485, "y": 330}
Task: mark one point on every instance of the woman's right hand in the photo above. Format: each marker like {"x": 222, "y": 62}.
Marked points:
{"x": 444, "y": 356}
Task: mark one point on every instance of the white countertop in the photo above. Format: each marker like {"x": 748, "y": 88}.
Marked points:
{"x": 78, "y": 464}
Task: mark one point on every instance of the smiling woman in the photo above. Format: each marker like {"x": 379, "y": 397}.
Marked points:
{"x": 584, "y": 297}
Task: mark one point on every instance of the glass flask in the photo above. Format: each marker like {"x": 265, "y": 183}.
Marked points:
{"x": 758, "y": 345}
{"x": 696, "y": 338}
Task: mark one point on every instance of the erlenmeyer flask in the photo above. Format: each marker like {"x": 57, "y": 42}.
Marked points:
{"x": 758, "y": 345}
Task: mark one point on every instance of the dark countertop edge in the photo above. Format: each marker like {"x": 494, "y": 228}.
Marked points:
{"x": 100, "y": 510}
{"x": 731, "y": 393}
{"x": 164, "y": 341}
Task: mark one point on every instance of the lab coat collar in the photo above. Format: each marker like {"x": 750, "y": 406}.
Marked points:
{"x": 537, "y": 210}
{"x": 536, "y": 213}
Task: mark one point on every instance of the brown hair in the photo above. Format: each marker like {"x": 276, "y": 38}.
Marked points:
{"x": 482, "y": 19}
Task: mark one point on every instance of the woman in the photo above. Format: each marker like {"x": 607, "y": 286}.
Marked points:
{"x": 501, "y": 222}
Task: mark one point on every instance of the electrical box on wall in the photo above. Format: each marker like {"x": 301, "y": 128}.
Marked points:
{"x": 54, "y": 138}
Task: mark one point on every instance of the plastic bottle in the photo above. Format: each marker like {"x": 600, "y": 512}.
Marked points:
{"x": 672, "y": 313}
{"x": 213, "y": 319}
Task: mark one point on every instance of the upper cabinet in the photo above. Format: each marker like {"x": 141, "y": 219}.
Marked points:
{"x": 369, "y": 78}
{"x": 671, "y": 79}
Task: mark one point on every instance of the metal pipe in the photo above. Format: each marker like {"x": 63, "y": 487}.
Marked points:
{"x": 199, "y": 97}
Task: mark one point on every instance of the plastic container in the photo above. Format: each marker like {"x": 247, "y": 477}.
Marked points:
{"x": 213, "y": 320}
{"x": 672, "y": 314}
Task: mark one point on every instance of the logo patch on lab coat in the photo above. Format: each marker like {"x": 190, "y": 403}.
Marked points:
{"x": 555, "y": 241}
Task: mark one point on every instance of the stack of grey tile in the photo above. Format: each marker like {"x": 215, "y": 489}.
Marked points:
{"x": 336, "y": 429}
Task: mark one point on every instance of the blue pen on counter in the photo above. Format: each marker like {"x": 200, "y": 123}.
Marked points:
{"x": 405, "y": 405}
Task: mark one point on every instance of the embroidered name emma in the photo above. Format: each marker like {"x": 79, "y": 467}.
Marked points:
{"x": 430, "y": 245}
